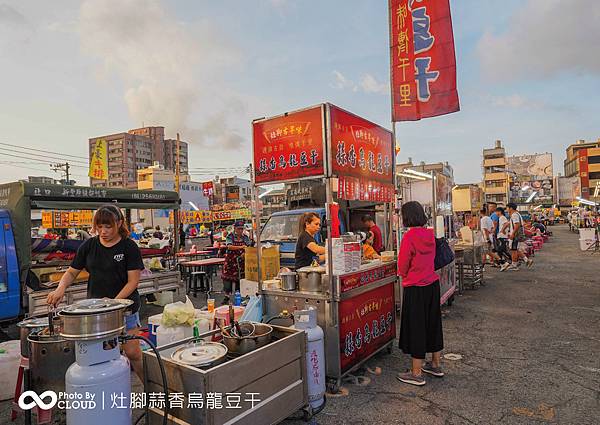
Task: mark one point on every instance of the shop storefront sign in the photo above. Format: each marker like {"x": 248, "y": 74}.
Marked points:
{"x": 362, "y": 157}
{"x": 67, "y": 219}
{"x": 366, "y": 277}
{"x": 367, "y": 323}
{"x": 289, "y": 146}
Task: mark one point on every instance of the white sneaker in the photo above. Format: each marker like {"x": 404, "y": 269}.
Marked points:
{"x": 504, "y": 266}
{"x": 513, "y": 267}
{"x": 529, "y": 262}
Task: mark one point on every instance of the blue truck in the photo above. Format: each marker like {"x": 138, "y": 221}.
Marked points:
{"x": 282, "y": 229}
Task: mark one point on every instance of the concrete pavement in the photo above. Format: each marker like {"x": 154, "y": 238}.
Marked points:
{"x": 530, "y": 347}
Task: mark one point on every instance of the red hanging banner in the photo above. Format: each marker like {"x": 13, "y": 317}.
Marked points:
{"x": 423, "y": 63}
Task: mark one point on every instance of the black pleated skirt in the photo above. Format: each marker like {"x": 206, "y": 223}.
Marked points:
{"x": 421, "y": 325}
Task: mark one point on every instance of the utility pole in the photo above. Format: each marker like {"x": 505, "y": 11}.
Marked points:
{"x": 63, "y": 168}
{"x": 177, "y": 165}
{"x": 176, "y": 216}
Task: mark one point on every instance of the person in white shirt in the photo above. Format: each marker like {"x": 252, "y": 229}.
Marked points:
{"x": 502, "y": 239}
{"x": 487, "y": 228}
{"x": 516, "y": 228}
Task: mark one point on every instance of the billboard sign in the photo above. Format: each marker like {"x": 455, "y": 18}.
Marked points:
{"x": 567, "y": 190}
{"x": 531, "y": 178}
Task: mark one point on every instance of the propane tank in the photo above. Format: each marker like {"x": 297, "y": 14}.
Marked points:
{"x": 315, "y": 355}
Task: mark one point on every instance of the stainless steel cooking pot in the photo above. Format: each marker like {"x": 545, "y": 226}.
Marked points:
{"x": 288, "y": 281}
{"x": 26, "y": 328}
{"x": 310, "y": 279}
{"x": 260, "y": 338}
{"x": 93, "y": 319}
{"x": 49, "y": 358}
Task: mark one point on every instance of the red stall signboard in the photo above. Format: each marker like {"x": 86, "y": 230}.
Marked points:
{"x": 289, "y": 146}
{"x": 423, "y": 63}
{"x": 366, "y": 277}
{"x": 367, "y": 323}
{"x": 362, "y": 157}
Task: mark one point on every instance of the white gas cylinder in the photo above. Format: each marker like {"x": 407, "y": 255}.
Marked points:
{"x": 99, "y": 394}
{"x": 315, "y": 355}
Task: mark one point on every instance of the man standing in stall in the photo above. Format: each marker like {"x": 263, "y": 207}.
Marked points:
{"x": 372, "y": 227}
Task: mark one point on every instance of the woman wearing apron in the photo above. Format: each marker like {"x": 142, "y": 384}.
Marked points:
{"x": 233, "y": 269}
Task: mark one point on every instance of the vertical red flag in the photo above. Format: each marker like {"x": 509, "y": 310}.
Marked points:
{"x": 423, "y": 63}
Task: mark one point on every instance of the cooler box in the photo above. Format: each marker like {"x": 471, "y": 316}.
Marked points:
{"x": 153, "y": 324}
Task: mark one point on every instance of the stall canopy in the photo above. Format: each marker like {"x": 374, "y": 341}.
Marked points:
{"x": 326, "y": 141}
{"x": 20, "y": 198}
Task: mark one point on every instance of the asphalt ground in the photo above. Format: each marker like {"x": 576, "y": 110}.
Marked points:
{"x": 529, "y": 348}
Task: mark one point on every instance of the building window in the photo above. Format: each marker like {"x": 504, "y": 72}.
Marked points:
{"x": 594, "y": 175}
{"x": 594, "y": 159}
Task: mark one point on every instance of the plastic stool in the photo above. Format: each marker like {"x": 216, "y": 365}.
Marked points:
{"x": 194, "y": 278}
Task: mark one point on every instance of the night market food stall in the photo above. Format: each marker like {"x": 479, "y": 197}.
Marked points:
{"x": 354, "y": 160}
{"x": 433, "y": 190}
{"x": 35, "y": 264}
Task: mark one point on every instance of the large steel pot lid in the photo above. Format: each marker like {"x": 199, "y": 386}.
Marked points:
{"x": 199, "y": 354}
{"x": 36, "y": 322}
{"x": 311, "y": 269}
{"x": 95, "y": 306}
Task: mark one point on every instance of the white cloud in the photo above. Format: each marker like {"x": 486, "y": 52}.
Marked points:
{"x": 545, "y": 38}
{"x": 170, "y": 73}
{"x": 341, "y": 82}
{"x": 368, "y": 84}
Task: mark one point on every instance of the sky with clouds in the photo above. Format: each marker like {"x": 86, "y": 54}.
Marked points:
{"x": 528, "y": 74}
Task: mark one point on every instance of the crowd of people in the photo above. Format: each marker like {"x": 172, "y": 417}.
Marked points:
{"x": 505, "y": 231}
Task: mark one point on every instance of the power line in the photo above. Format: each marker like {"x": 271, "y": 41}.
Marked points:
{"x": 40, "y": 161}
{"x": 52, "y": 157}
{"x": 44, "y": 151}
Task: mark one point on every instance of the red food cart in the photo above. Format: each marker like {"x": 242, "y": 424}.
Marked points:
{"x": 354, "y": 159}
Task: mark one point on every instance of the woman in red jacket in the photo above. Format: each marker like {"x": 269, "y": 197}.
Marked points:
{"x": 421, "y": 326}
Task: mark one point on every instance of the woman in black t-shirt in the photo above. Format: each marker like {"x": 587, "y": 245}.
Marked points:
{"x": 306, "y": 246}
{"x": 114, "y": 263}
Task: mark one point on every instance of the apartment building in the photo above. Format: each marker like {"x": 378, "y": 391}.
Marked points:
{"x": 583, "y": 161}
{"x": 137, "y": 149}
{"x": 495, "y": 174}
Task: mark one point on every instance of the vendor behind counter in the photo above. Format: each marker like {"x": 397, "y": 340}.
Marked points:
{"x": 307, "y": 248}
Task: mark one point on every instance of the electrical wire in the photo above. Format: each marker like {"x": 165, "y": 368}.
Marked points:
{"x": 42, "y": 150}
{"x": 39, "y": 160}
{"x": 46, "y": 155}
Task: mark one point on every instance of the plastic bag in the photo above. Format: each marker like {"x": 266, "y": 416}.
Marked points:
{"x": 253, "y": 311}
{"x": 178, "y": 314}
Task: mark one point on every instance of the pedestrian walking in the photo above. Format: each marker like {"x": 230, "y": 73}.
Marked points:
{"x": 487, "y": 228}
{"x": 421, "y": 326}
{"x": 517, "y": 235}
{"x": 502, "y": 241}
